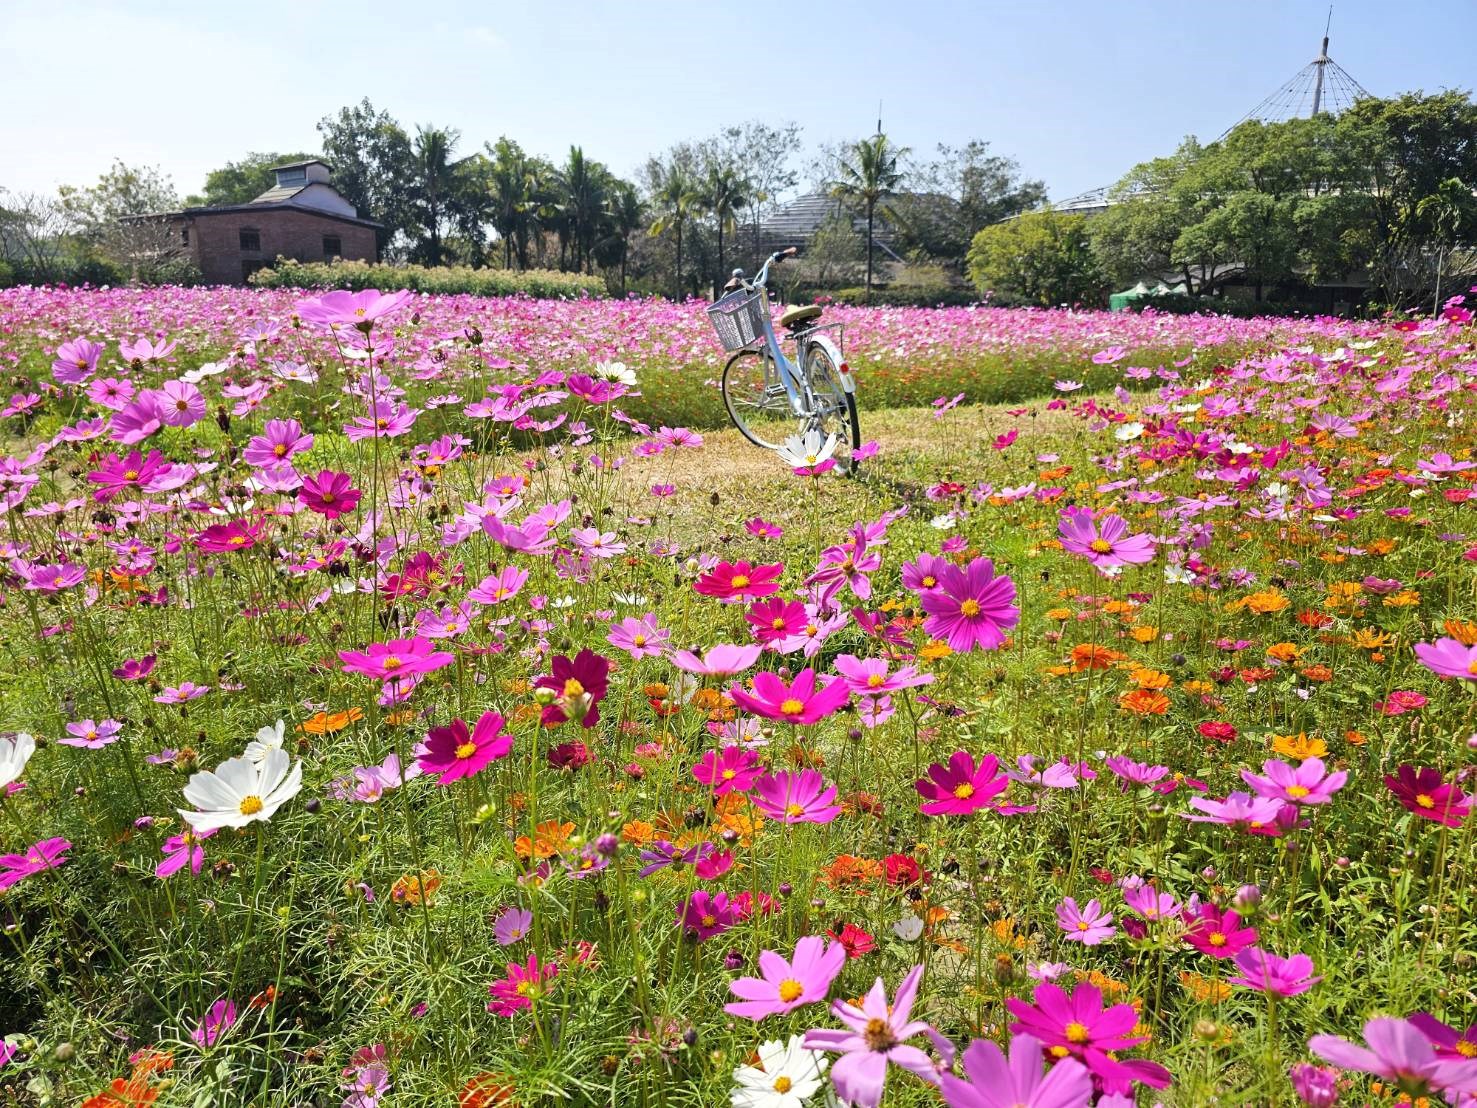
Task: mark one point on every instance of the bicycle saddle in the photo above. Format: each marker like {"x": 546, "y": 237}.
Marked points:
{"x": 793, "y": 317}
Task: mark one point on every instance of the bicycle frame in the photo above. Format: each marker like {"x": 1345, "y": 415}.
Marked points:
{"x": 792, "y": 376}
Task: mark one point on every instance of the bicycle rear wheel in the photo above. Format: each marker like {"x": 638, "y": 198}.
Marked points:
{"x": 835, "y": 408}
{"x": 756, "y": 400}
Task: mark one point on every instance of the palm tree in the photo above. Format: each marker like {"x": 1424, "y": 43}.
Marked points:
{"x": 869, "y": 175}
{"x": 584, "y": 186}
{"x": 435, "y": 180}
{"x": 676, "y": 198}
{"x": 627, "y": 215}
{"x": 511, "y": 187}
{"x": 724, "y": 193}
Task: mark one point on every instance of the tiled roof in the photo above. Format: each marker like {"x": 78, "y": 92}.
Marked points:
{"x": 279, "y": 194}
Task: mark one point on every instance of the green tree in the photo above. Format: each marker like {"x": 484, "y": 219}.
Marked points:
{"x": 432, "y": 188}
{"x": 1043, "y": 258}
{"x": 627, "y": 216}
{"x": 121, "y": 218}
{"x": 676, "y": 199}
{"x": 868, "y": 175}
{"x": 585, "y": 185}
{"x": 241, "y": 182}
{"x": 724, "y": 194}
{"x": 373, "y": 164}
{"x": 952, "y": 197}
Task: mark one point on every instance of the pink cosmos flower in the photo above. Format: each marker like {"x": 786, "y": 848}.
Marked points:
{"x": 802, "y": 701}
{"x": 596, "y": 543}
{"x": 92, "y": 735}
{"x": 733, "y": 582}
{"x": 732, "y": 769}
{"x": 1303, "y": 784}
{"x": 1400, "y": 1053}
{"x": 279, "y": 441}
{"x": 877, "y": 1034}
{"x": 971, "y": 608}
{"x": 1238, "y": 810}
{"x": 182, "y": 849}
{"x": 351, "y": 309}
{"x": 1270, "y": 973}
{"x": 180, "y": 404}
{"x": 500, "y": 586}
{"x": 763, "y": 530}
{"x": 453, "y": 752}
{"x": 53, "y": 578}
{"x": 1315, "y": 1086}
{"x": 801, "y": 797}
{"x": 1217, "y": 933}
{"x": 44, "y": 855}
{"x": 922, "y": 574}
{"x": 135, "y": 669}
{"x": 706, "y": 914}
{"x": 961, "y": 787}
{"x": 1448, "y": 658}
{"x": 776, "y": 619}
{"x": 523, "y": 985}
{"x": 182, "y": 693}
{"x": 329, "y": 494}
{"x": 76, "y": 361}
{"x": 1104, "y": 542}
{"x": 640, "y": 638}
{"x": 787, "y": 985}
{"x": 870, "y": 677}
{"x": 994, "y": 1082}
{"x": 134, "y": 472}
{"x": 396, "y": 660}
{"x": 225, "y": 538}
{"x": 1148, "y": 903}
{"x": 1079, "y": 1026}
{"x": 383, "y": 421}
{"x": 1089, "y": 925}
{"x": 216, "y": 1022}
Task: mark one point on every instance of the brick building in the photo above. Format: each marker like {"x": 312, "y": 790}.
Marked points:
{"x": 301, "y": 217}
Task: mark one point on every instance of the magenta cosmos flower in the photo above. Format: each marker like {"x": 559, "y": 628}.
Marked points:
{"x": 1088, "y": 925}
{"x": 1216, "y": 933}
{"x": 785, "y": 986}
{"x": 1400, "y": 1053}
{"x": 1240, "y": 810}
{"x": 801, "y": 701}
{"x": 877, "y": 1034}
{"x": 732, "y": 582}
{"x": 961, "y": 787}
{"x": 995, "y": 1082}
{"x": 523, "y": 985}
{"x": 329, "y": 494}
{"x": 224, "y": 538}
{"x": 706, "y": 914}
{"x": 1270, "y": 973}
{"x": 1426, "y": 793}
{"x": 579, "y": 684}
{"x": 454, "y": 752}
{"x": 215, "y": 1023}
{"x": 396, "y": 659}
{"x": 1079, "y": 1026}
{"x": 1448, "y": 658}
{"x": 971, "y": 607}
{"x": 135, "y": 669}
{"x": 801, "y": 797}
{"x": 1105, "y": 541}
{"x": 1448, "y": 1041}
{"x": 870, "y": 676}
{"x": 182, "y": 849}
{"x": 47, "y": 854}
{"x": 134, "y": 472}
{"x": 732, "y": 769}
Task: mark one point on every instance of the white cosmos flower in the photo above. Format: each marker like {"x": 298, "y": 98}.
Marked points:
{"x": 195, "y": 376}
{"x": 1128, "y": 432}
{"x": 787, "y": 1076}
{"x": 237, "y": 792}
{"x": 944, "y": 522}
{"x": 268, "y": 739}
{"x": 808, "y": 449}
{"x": 908, "y": 928}
{"x": 15, "y": 752}
{"x": 615, "y": 371}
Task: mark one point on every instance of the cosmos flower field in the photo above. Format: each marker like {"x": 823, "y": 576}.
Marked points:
{"x": 418, "y": 701}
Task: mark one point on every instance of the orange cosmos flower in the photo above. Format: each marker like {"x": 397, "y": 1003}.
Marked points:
{"x": 1461, "y": 630}
{"x": 409, "y": 889}
{"x": 123, "y": 1094}
{"x": 550, "y": 837}
{"x": 1264, "y": 603}
{"x": 1299, "y": 746}
{"x": 1144, "y": 702}
{"x": 1088, "y": 655}
{"x": 486, "y": 1090}
{"x": 1149, "y": 679}
{"x": 934, "y": 650}
{"x": 1284, "y": 651}
{"x": 328, "y": 723}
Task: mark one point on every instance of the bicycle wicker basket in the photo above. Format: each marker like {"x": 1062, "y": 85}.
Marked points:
{"x": 739, "y": 318}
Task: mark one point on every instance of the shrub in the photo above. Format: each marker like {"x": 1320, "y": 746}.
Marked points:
{"x": 542, "y": 284}
{"x": 907, "y": 296}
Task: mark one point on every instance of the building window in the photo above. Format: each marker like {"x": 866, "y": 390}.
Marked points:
{"x": 250, "y": 266}
{"x": 184, "y": 236}
{"x": 333, "y": 247}
{"x": 286, "y": 178}
{"x": 251, "y": 242}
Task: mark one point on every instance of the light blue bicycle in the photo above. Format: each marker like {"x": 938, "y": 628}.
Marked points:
{"x": 769, "y": 397}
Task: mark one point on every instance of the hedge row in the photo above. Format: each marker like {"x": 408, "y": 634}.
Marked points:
{"x": 543, "y": 284}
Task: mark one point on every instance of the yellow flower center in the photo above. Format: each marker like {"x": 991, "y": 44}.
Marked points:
{"x": 1466, "y": 1048}
{"x": 1217, "y": 938}
{"x": 1472, "y": 667}
{"x": 1059, "y": 1052}
{"x": 326, "y": 497}
{"x": 793, "y": 810}
{"x": 709, "y": 921}
{"x": 391, "y": 662}
{"x": 970, "y": 608}
{"x": 251, "y": 805}
{"x": 1077, "y": 1033}
{"x": 280, "y": 450}
{"x": 573, "y": 688}
{"x": 878, "y": 1035}
{"x": 729, "y": 775}
{"x": 1297, "y": 792}
{"x": 639, "y": 640}
{"x": 792, "y": 707}
{"x": 929, "y": 582}
{"x": 236, "y": 540}
{"x": 874, "y": 681}
{"x": 790, "y": 989}
{"x": 740, "y": 582}
{"x": 782, "y": 1084}
{"x": 130, "y": 475}
{"x": 1100, "y": 546}
{"x": 964, "y": 791}
{"x": 779, "y": 623}
{"x": 1425, "y": 801}
{"x": 466, "y": 750}
{"x": 1083, "y": 925}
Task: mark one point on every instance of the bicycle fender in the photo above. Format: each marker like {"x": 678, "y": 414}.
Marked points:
{"x": 848, "y": 381}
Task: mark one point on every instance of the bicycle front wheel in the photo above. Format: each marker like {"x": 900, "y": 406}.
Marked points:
{"x": 835, "y": 409}
{"x": 756, "y": 400}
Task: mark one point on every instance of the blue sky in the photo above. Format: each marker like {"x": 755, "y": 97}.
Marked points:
{"x": 1077, "y": 92}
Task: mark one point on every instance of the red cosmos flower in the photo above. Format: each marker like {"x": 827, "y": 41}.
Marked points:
{"x": 580, "y": 686}
{"x": 900, "y": 871}
{"x": 1215, "y": 729}
{"x": 222, "y": 538}
{"x": 856, "y": 941}
{"x": 732, "y": 582}
{"x": 1399, "y": 702}
{"x": 1426, "y": 793}
{"x": 329, "y": 494}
